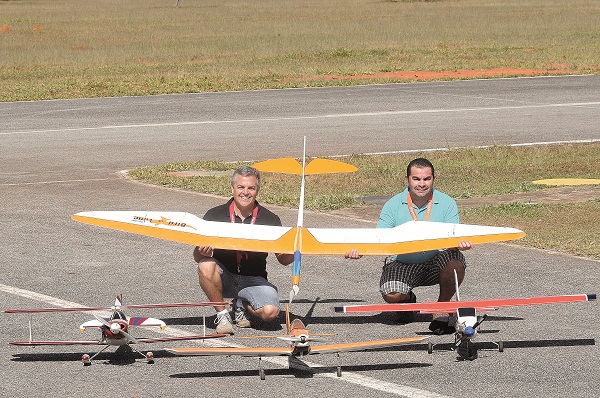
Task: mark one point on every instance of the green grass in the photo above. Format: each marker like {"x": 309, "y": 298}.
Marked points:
{"x": 462, "y": 173}
{"x": 140, "y": 47}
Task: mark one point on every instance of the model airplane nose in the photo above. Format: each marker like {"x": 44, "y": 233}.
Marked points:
{"x": 115, "y": 328}
{"x": 469, "y": 331}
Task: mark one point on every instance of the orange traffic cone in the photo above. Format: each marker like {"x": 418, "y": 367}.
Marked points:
{"x": 5, "y": 28}
{"x": 37, "y": 27}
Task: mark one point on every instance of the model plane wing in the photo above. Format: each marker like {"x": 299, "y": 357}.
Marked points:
{"x": 182, "y": 338}
{"x": 66, "y": 309}
{"x": 479, "y": 305}
{"x": 187, "y": 228}
{"x": 38, "y": 343}
{"x": 229, "y": 351}
{"x": 364, "y": 345}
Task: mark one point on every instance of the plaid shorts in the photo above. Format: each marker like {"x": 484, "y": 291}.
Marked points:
{"x": 402, "y": 278}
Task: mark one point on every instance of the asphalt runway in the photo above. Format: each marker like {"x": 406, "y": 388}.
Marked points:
{"x": 62, "y": 157}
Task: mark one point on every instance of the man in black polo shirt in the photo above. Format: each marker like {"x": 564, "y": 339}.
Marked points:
{"x": 240, "y": 274}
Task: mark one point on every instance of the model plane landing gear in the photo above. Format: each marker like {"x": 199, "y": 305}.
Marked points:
{"x": 467, "y": 350}
{"x": 86, "y": 360}
{"x": 150, "y": 357}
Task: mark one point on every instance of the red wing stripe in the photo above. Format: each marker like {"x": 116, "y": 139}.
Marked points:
{"x": 35, "y": 343}
{"x": 34, "y": 310}
{"x": 479, "y": 304}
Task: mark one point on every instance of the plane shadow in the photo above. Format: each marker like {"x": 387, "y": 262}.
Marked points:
{"x": 510, "y": 344}
{"x": 298, "y": 369}
{"x": 122, "y": 356}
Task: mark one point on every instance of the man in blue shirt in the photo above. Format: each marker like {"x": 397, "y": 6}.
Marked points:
{"x": 402, "y": 273}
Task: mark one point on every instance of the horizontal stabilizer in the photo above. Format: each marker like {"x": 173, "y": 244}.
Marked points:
{"x": 479, "y": 305}
{"x": 316, "y": 166}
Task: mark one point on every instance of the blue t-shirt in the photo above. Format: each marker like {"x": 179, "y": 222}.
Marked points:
{"x": 395, "y": 212}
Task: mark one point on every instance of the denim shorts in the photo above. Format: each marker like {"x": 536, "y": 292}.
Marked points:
{"x": 256, "y": 290}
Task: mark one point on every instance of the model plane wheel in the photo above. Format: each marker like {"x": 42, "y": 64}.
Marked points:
{"x": 339, "y": 371}
{"x": 150, "y": 357}
{"x": 261, "y": 372}
{"x": 501, "y": 346}
{"x": 85, "y": 358}
{"x": 429, "y": 347}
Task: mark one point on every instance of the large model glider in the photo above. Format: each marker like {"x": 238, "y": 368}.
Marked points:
{"x": 465, "y": 315}
{"x": 414, "y": 236}
{"x": 299, "y": 344}
{"x": 115, "y": 328}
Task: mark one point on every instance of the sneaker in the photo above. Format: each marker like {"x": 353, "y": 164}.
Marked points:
{"x": 441, "y": 326}
{"x": 405, "y": 317}
{"x": 224, "y": 324}
{"x": 241, "y": 320}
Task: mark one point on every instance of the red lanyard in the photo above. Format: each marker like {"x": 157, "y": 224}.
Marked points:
{"x": 412, "y": 210}
{"x": 232, "y": 213}
{"x": 239, "y": 255}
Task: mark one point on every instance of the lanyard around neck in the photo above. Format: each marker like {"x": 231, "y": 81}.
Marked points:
{"x": 412, "y": 209}
{"x": 232, "y": 213}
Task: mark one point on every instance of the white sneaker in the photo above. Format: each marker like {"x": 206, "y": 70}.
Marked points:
{"x": 240, "y": 318}
{"x": 224, "y": 324}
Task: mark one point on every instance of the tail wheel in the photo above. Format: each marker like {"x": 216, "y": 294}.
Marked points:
{"x": 85, "y": 358}
{"x": 150, "y": 357}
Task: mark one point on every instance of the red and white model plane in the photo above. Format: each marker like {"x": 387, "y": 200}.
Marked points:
{"x": 464, "y": 314}
{"x": 115, "y": 328}
{"x": 299, "y": 344}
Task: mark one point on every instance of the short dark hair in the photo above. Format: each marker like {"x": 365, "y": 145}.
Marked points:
{"x": 420, "y": 163}
{"x": 246, "y": 171}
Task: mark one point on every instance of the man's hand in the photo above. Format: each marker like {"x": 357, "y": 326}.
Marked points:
{"x": 202, "y": 251}
{"x": 465, "y": 245}
{"x": 353, "y": 254}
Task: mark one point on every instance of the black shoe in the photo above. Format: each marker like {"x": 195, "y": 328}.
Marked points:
{"x": 405, "y": 317}
{"x": 440, "y": 327}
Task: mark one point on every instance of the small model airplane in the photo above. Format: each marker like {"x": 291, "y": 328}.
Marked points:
{"x": 414, "y": 236}
{"x": 299, "y": 339}
{"x": 115, "y": 328}
{"x": 464, "y": 314}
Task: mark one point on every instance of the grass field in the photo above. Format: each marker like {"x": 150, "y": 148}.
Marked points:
{"x": 74, "y": 48}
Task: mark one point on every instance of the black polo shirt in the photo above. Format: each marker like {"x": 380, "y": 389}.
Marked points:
{"x": 250, "y": 263}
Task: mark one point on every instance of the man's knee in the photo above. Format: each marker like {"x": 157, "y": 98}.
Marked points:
{"x": 207, "y": 266}
{"x": 395, "y": 297}
{"x": 267, "y": 313}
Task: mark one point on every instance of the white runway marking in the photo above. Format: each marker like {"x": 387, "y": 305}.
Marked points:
{"x": 349, "y": 377}
{"x": 341, "y": 115}
{"x": 51, "y": 182}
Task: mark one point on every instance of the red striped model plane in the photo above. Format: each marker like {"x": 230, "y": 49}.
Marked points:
{"x": 115, "y": 328}
{"x": 299, "y": 344}
{"x": 464, "y": 314}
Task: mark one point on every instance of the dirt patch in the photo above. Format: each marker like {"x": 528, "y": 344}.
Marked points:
{"x": 450, "y": 74}
{"x": 569, "y": 194}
